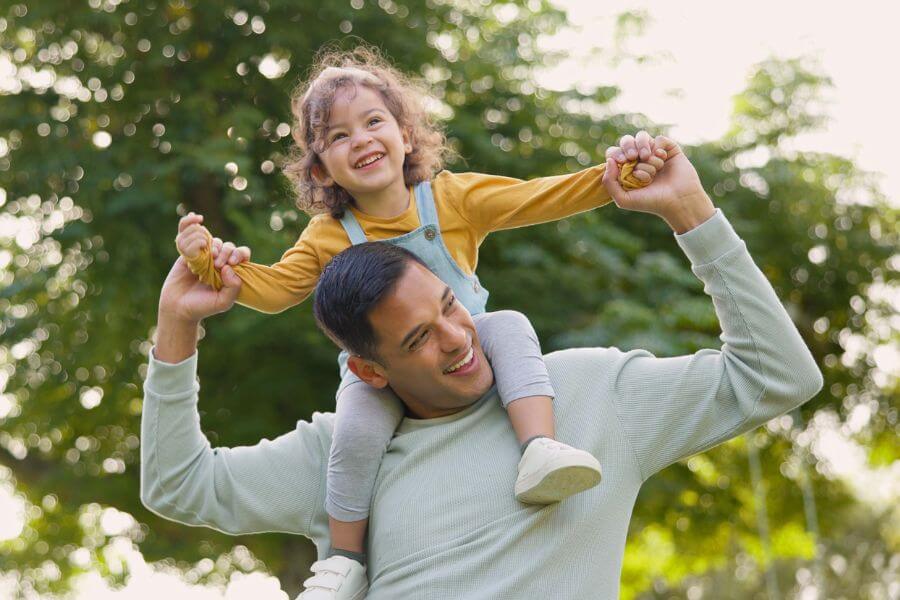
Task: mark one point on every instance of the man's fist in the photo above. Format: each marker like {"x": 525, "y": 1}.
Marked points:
{"x": 675, "y": 194}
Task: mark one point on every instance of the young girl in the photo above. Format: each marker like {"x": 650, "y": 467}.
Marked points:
{"x": 365, "y": 164}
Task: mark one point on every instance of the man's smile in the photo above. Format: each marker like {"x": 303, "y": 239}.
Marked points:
{"x": 464, "y": 365}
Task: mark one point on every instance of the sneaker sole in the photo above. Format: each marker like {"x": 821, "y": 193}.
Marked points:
{"x": 559, "y": 484}
{"x": 359, "y": 595}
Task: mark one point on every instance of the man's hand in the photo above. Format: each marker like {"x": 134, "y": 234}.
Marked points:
{"x": 183, "y": 302}
{"x": 675, "y": 194}
{"x": 184, "y": 298}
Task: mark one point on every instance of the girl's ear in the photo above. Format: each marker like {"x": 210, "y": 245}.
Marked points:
{"x": 320, "y": 176}
{"x": 407, "y": 144}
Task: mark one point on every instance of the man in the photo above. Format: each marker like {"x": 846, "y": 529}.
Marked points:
{"x": 443, "y": 523}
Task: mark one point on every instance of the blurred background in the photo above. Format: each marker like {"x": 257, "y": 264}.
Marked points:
{"x": 118, "y": 116}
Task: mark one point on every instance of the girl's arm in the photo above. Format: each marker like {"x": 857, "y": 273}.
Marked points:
{"x": 269, "y": 289}
{"x": 491, "y": 203}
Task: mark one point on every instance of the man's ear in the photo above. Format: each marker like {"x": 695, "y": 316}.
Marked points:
{"x": 367, "y": 370}
{"x": 320, "y": 176}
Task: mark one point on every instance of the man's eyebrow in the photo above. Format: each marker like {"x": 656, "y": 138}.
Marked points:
{"x": 415, "y": 330}
{"x": 360, "y": 116}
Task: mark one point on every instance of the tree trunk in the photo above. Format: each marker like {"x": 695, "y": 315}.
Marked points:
{"x": 204, "y": 196}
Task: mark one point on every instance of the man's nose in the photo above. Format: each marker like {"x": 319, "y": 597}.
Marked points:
{"x": 453, "y": 337}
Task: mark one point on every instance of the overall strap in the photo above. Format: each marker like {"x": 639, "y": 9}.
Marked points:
{"x": 353, "y": 228}
{"x": 425, "y": 204}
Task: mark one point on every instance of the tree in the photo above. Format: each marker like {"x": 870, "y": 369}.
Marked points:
{"x": 118, "y": 117}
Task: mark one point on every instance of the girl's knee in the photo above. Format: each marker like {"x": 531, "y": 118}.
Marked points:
{"x": 360, "y": 445}
{"x": 502, "y": 324}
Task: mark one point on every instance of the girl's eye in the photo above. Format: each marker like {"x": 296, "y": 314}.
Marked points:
{"x": 374, "y": 120}
{"x": 332, "y": 138}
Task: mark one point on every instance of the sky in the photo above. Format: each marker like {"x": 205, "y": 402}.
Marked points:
{"x": 703, "y": 53}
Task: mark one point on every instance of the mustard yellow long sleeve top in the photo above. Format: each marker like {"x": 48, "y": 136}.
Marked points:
{"x": 469, "y": 207}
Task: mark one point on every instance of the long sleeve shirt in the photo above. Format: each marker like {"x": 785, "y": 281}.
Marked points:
{"x": 444, "y": 521}
{"x": 469, "y": 207}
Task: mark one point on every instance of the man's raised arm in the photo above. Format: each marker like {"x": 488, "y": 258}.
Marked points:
{"x": 273, "y": 486}
{"x": 671, "y": 408}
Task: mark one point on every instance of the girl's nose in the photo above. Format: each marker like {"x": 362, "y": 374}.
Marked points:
{"x": 362, "y": 139}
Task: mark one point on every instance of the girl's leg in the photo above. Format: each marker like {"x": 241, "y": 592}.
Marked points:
{"x": 512, "y": 347}
{"x": 549, "y": 470}
{"x": 532, "y": 417}
{"x": 366, "y": 419}
{"x": 348, "y": 538}
{"x": 364, "y": 424}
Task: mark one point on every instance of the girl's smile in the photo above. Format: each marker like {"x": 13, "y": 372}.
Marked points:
{"x": 369, "y": 160}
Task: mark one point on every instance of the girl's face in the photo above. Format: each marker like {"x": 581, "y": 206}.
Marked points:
{"x": 364, "y": 147}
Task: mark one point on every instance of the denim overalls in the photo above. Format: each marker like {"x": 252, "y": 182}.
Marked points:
{"x": 427, "y": 243}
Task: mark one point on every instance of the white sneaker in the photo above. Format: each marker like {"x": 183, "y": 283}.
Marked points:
{"x": 336, "y": 578}
{"x": 551, "y": 471}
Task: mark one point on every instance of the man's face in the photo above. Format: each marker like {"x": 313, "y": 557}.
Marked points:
{"x": 428, "y": 346}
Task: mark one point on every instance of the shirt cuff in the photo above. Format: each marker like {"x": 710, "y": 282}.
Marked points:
{"x": 168, "y": 379}
{"x": 710, "y": 240}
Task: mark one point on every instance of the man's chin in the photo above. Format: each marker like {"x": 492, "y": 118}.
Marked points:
{"x": 482, "y": 383}
{"x": 471, "y": 391}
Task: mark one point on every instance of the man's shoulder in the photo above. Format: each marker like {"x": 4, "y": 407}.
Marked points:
{"x": 581, "y": 368}
{"x": 309, "y": 442}
{"x": 576, "y": 359}
{"x": 576, "y": 371}
{"x": 320, "y": 425}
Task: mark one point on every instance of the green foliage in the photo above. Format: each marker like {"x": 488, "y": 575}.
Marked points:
{"x": 177, "y": 87}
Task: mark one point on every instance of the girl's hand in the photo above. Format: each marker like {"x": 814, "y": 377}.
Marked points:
{"x": 192, "y": 237}
{"x": 676, "y": 194}
{"x": 642, "y": 148}
{"x": 225, "y": 253}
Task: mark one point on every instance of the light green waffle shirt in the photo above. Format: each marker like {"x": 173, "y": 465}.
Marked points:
{"x": 444, "y": 522}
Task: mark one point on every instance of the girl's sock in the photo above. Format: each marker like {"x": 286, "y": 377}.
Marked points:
{"x": 528, "y": 441}
{"x": 359, "y": 557}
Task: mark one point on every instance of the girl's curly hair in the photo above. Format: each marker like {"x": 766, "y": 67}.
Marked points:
{"x": 332, "y": 71}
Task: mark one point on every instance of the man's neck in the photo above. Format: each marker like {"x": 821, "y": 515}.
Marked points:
{"x": 414, "y": 409}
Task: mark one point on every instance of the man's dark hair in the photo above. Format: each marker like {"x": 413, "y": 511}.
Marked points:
{"x": 353, "y": 284}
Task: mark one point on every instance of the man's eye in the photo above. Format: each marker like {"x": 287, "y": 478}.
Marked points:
{"x": 419, "y": 341}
